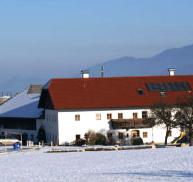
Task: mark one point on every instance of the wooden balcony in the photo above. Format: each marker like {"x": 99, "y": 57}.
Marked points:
{"x": 129, "y": 123}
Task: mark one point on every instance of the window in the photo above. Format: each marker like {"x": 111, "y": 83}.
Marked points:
{"x": 144, "y": 114}
{"x": 170, "y": 133}
{"x": 77, "y": 137}
{"x": 98, "y": 116}
{"x": 135, "y": 115}
{"x": 109, "y": 116}
{"x": 162, "y": 94}
{"x": 77, "y": 117}
{"x": 140, "y": 92}
{"x": 120, "y": 136}
{"x": 109, "y": 135}
{"x": 120, "y": 115}
{"x": 145, "y": 134}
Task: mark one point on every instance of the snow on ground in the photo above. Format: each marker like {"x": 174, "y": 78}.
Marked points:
{"x": 169, "y": 164}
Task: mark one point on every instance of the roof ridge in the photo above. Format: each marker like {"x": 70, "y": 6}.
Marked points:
{"x": 122, "y": 77}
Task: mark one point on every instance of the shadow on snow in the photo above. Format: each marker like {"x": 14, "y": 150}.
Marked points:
{"x": 163, "y": 173}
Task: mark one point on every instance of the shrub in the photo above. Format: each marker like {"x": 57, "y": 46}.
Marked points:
{"x": 93, "y": 138}
{"x": 100, "y": 139}
{"x": 80, "y": 142}
{"x": 137, "y": 141}
{"x": 90, "y": 137}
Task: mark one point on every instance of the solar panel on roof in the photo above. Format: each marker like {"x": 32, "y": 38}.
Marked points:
{"x": 169, "y": 86}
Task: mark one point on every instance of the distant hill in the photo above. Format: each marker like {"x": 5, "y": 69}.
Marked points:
{"x": 17, "y": 77}
{"x": 179, "y": 58}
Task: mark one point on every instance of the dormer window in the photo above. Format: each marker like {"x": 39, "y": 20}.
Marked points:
{"x": 162, "y": 94}
{"x": 140, "y": 92}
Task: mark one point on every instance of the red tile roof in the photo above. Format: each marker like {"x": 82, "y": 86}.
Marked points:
{"x": 112, "y": 92}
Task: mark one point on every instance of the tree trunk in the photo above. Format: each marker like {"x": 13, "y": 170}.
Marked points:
{"x": 190, "y": 136}
{"x": 166, "y": 136}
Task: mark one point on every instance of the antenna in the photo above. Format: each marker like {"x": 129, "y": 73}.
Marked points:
{"x": 102, "y": 71}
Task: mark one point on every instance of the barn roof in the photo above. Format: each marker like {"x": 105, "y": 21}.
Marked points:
{"x": 114, "y": 92}
{"x": 23, "y": 105}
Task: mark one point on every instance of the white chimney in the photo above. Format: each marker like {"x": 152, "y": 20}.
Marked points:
{"x": 171, "y": 71}
{"x": 85, "y": 73}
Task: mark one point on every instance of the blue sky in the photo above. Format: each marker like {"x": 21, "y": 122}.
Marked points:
{"x": 77, "y": 33}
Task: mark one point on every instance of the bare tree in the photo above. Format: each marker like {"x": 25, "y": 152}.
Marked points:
{"x": 184, "y": 116}
{"x": 162, "y": 114}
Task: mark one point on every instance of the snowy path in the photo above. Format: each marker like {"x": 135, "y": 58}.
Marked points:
{"x": 172, "y": 164}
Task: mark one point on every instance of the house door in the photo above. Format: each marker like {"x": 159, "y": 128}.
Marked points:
{"x": 135, "y": 133}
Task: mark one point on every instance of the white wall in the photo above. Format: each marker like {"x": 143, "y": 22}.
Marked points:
{"x": 69, "y": 128}
{"x": 157, "y": 134}
{"x": 115, "y": 136}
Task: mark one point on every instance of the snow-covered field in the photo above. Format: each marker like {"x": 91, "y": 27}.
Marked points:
{"x": 171, "y": 164}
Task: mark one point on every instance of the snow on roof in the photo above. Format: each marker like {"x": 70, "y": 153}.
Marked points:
{"x": 23, "y": 105}
{"x": 4, "y": 99}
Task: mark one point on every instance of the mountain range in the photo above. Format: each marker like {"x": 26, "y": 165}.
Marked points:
{"x": 179, "y": 58}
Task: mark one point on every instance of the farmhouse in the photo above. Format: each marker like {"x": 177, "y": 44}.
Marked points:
{"x": 115, "y": 105}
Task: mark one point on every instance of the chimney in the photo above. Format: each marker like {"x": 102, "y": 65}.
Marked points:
{"x": 102, "y": 71}
{"x": 85, "y": 73}
{"x": 171, "y": 71}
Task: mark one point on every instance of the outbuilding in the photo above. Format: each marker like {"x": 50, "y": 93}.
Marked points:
{"x": 21, "y": 115}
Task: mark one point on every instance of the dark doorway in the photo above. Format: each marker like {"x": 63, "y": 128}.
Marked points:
{"x": 24, "y": 139}
{"x": 41, "y": 135}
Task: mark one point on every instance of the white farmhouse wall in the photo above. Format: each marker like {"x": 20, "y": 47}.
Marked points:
{"x": 115, "y": 136}
{"x": 157, "y": 134}
{"x": 149, "y": 138}
{"x": 69, "y": 128}
{"x": 61, "y": 126}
